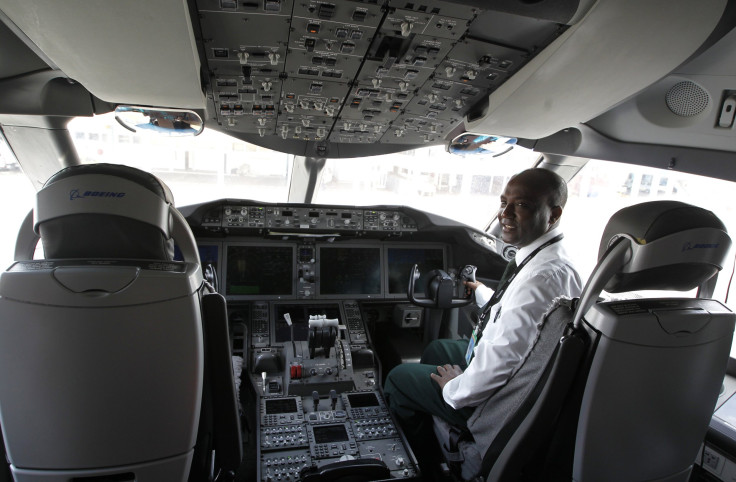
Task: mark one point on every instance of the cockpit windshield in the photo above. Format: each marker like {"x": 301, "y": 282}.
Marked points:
{"x": 215, "y": 166}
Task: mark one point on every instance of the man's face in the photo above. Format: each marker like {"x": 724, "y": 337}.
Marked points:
{"x": 525, "y": 213}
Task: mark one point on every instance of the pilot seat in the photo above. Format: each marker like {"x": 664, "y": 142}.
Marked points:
{"x": 114, "y": 358}
{"x": 614, "y": 390}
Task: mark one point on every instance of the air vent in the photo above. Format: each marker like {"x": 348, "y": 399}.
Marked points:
{"x": 687, "y": 99}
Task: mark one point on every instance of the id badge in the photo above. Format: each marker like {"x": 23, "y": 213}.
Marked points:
{"x": 471, "y": 346}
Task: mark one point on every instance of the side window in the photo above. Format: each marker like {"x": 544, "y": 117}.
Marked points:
{"x": 17, "y": 197}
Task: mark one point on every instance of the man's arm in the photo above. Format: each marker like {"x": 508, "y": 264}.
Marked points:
{"x": 505, "y": 341}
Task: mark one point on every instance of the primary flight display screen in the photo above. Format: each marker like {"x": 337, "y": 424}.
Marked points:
{"x": 349, "y": 270}
{"x": 259, "y": 270}
{"x": 401, "y": 260}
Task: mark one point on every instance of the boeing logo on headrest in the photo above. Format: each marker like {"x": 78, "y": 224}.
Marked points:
{"x": 688, "y": 246}
{"x": 77, "y": 194}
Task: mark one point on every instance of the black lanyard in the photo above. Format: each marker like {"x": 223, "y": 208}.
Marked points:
{"x": 501, "y": 289}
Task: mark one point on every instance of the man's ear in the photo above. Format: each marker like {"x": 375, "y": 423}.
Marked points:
{"x": 555, "y": 214}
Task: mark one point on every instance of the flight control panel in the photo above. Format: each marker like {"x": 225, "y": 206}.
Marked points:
{"x": 302, "y": 283}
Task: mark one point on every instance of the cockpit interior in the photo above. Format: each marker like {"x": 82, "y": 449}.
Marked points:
{"x": 346, "y": 185}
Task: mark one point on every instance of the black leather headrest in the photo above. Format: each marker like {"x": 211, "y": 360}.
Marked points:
{"x": 674, "y": 246}
{"x": 104, "y": 211}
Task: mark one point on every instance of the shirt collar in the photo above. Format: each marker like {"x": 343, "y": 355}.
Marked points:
{"x": 527, "y": 250}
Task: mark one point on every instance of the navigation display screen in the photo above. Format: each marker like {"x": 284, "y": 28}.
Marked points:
{"x": 401, "y": 260}
{"x": 348, "y": 270}
{"x": 259, "y": 270}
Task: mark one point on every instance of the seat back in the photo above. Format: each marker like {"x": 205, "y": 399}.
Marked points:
{"x": 101, "y": 355}
{"x": 659, "y": 364}
{"x": 531, "y": 444}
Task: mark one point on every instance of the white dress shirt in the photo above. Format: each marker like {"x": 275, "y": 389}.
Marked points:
{"x": 505, "y": 341}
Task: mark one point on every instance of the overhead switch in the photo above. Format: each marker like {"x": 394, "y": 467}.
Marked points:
{"x": 326, "y": 11}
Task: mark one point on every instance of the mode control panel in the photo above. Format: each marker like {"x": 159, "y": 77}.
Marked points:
{"x": 314, "y": 218}
{"x": 388, "y": 221}
{"x": 243, "y": 216}
{"x": 299, "y": 219}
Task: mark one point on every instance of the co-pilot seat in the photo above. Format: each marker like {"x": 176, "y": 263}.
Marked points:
{"x": 659, "y": 362}
{"x": 101, "y": 343}
{"x": 629, "y": 389}
{"x": 639, "y": 405}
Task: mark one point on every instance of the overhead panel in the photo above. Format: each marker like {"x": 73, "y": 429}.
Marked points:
{"x": 436, "y": 8}
{"x": 245, "y": 45}
{"x": 349, "y": 71}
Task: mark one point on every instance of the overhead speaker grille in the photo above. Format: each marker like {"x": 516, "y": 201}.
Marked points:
{"x": 687, "y": 99}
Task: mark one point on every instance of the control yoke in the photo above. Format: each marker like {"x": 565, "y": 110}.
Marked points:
{"x": 440, "y": 288}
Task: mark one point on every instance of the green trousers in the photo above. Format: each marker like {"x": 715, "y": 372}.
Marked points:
{"x": 412, "y": 395}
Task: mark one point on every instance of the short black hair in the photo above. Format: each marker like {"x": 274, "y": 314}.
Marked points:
{"x": 546, "y": 180}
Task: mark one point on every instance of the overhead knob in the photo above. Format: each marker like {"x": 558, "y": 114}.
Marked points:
{"x": 406, "y": 28}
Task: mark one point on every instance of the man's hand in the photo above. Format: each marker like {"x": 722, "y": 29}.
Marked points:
{"x": 471, "y": 286}
{"x": 445, "y": 374}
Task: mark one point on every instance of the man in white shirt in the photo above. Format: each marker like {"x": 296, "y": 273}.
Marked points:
{"x": 454, "y": 376}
